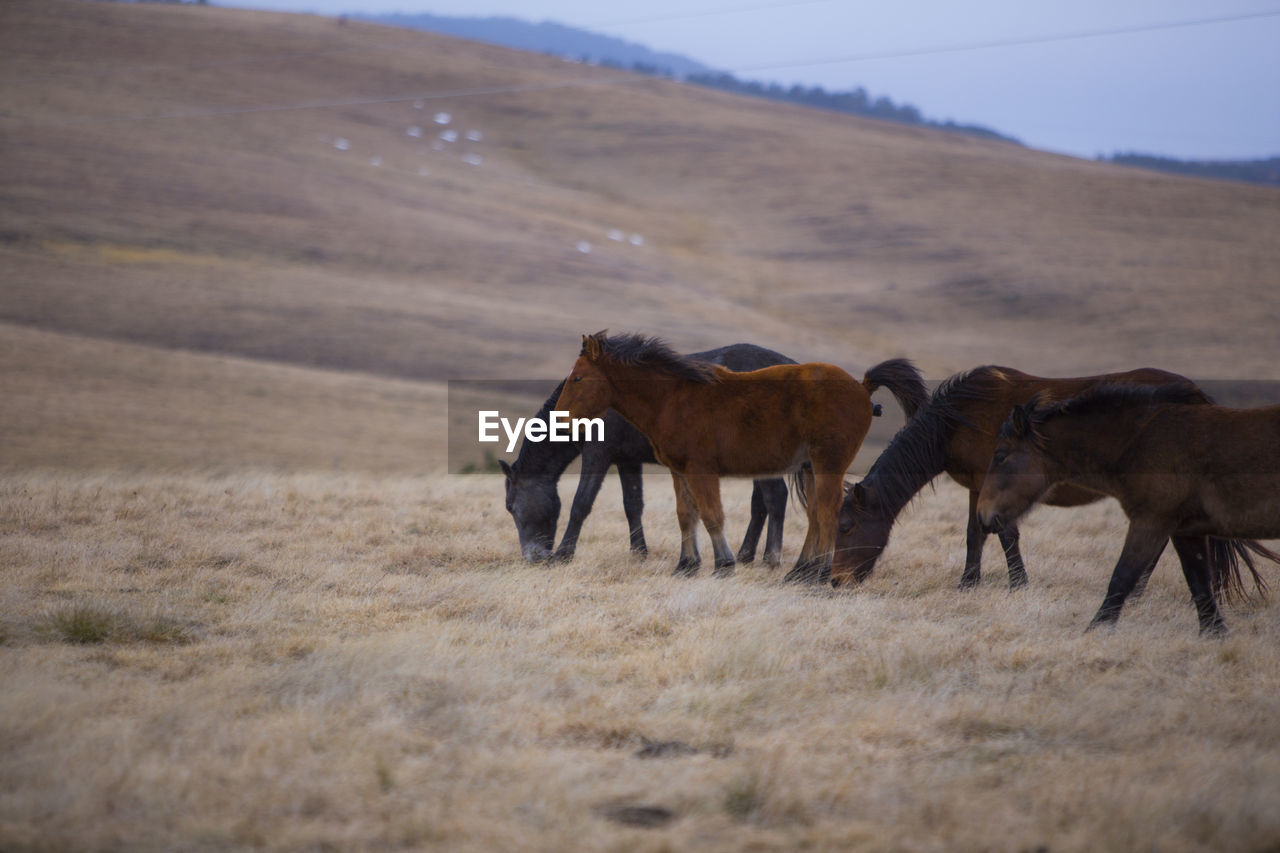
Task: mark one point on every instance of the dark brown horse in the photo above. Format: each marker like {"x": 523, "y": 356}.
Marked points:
{"x": 1181, "y": 470}
{"x": 956, "y": 434}
{"x": 705, "y": 422}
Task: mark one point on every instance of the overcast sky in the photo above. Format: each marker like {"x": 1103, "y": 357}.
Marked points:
{"x": 1205, "y": 91}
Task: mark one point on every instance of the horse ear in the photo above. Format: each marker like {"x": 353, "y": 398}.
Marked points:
{"x": 591, "y": 345}
{"x": 1020, "y": 420}
{"x": 506, "y": 469}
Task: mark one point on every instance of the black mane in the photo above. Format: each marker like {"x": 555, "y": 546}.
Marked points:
{"x": 654, "y": 353}
{"x": 546, "y": 459}
{"x": 918, "y": 452}
{"x": 1106, "y": 398}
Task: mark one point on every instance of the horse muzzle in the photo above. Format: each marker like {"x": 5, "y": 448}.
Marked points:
{"x": 535, "y": 552}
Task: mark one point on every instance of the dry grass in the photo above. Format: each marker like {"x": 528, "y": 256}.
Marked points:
{"x": 306, "y": 661}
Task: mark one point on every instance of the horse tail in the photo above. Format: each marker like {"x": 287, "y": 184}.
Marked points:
{"x": 902, "y": 379}
{"x": 799, "y": 492}
{"x": 1225, "y": 558}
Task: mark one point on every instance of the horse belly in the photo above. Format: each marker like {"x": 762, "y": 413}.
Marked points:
{"x": 1246, "y": 506}
{"x": 736, "y": 460}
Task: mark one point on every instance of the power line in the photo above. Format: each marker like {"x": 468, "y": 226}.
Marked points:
{"x": 632, "y": 78}
{"x": 1013, "y": 42}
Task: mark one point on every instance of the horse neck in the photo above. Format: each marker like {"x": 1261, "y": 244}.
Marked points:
{"x": 1091, "y": 449}
{"x": 916, "y": 455}
{"x": 639, "y": 395}
{"x": 546, "y": 458}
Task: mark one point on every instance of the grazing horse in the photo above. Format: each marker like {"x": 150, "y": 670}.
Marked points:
{"x": 534, "y": 502}
{"x": 956, "y": 434}
{"x": 1181, "y": 470}
{"x": 705, "y": 421}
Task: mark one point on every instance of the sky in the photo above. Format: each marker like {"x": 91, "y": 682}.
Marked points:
{"x": 1207, "y": 90}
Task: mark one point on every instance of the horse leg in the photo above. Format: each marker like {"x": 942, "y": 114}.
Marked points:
{"x": 828, "y": 491}
{"x": 1013, "y": 557}
{"x": 775, "y": 502}
{"x": 706, "y": 493}
{"x": 1141, "y": 586}
{"x": 974, "y": 538}
{"x": 747, "y": 553}
{"x": 802, "y": 571}
{"x": 594, "y": 467}
{"x": 1193, "y": 551}
{"x": 633, "y": 504}
{"x": 1142, "y": 545}
{"x": 687, "y": 515}
{"x": 814, "y": 563}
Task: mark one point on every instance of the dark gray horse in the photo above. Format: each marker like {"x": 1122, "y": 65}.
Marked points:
{"x": 534, "y": 503}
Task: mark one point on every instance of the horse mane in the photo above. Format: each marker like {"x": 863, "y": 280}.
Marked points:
{"x": 918, "y": 452}
{"x": 1106, "y": 397}
{"x": 654, "y": 353}
{"x": 546, "y": 458}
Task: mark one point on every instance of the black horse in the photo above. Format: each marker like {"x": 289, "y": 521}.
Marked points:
{"x": 534, "y": 503}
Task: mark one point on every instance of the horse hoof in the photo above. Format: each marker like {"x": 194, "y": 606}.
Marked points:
{"x": 1216, "y": 629}
{"x": 687, "y": 568}
{"x": 803, "y": 574}
{"x": 1101, "y": 622}
{"x": 725, "y": 570}
{"x": 969, "y": 583}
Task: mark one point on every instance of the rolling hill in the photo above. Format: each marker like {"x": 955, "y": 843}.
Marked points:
{"x": 263, "y": 189}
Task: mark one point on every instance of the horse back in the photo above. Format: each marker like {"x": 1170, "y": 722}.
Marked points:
{"x": 765, "y": 421}
{"x": 982, "y": 402}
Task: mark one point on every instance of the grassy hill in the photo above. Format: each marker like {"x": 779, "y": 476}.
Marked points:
{"x": 171, "y": 179}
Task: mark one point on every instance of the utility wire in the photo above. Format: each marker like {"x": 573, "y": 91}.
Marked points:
{"x": 1013, "y": 42}
{"x": 632, "y": 78}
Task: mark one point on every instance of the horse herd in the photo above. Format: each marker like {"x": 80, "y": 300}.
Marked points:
{"x": 1183, "y": 469}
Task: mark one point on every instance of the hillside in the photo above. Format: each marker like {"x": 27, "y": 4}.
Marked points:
{"x": 267, "y": 187}
{"x": 547, "y": 37}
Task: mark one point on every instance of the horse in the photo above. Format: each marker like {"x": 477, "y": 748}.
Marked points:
{"x": 534, "y": 502}
{"x": 705, "y": 421}
{"x": 956, "y": 434}
{"x": 1183, "y": 471}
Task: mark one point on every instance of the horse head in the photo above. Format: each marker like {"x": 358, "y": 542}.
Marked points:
{"x": 862, "y": 533}
{"x": 534, "y": 505}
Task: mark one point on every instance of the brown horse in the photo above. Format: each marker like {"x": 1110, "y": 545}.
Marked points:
{"x": 705, "y": 422}
{"x": 956, "y": 434}
{"x": 1181, "y": 470}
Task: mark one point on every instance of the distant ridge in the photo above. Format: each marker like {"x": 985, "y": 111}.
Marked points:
{"x": 1265, "y": 171}
{"x": 548, "y": 37}
{"x": 578, "y": 44}
{"x": 574, "y": 43}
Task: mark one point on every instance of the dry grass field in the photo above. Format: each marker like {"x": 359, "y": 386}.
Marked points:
{"x": 243, "y": 605}
{"x": 343, "y": 662}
